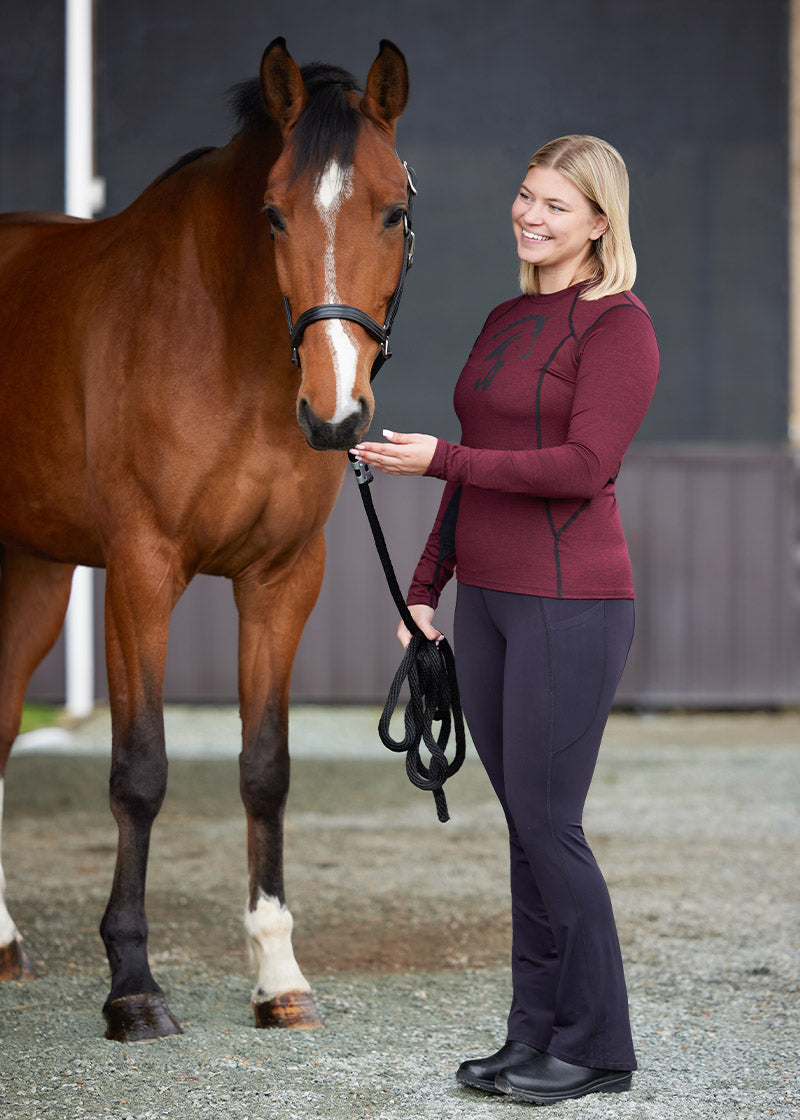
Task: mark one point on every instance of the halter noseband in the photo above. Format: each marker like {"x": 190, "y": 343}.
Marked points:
{"x": 345, "y": 311}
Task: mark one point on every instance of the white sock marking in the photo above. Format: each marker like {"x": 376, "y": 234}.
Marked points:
{"x": 335, "y": 185}
{"x": 8, "y": 931}
{"x": 269, "y": 939}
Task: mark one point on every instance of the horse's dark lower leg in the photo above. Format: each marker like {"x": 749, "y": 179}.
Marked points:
{"x": 137, "y": 618}
{"x": 271, "y": 620}
{"x": 33, "y": 600}
{"x": 135, "y": 1007}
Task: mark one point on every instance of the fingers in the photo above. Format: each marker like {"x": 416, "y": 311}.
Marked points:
{"x": 423, "y": 616}
{"x": 386, "y": 457}
{"x": 395, "y": 447}
{"x": 403, "y": 635}
{"x": 404, "y": 454}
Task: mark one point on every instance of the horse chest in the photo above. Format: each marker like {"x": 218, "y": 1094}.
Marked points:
{"x": 267, "y": 526}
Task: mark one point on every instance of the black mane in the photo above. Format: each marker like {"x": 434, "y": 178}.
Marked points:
{"x": 327, "y": 128}
{"x": 190, "y": 157}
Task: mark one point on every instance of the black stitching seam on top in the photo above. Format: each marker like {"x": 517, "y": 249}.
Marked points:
{"x": 556, "y": 537}
{"x": 539, "y": 384}
{"x": 607, "y": 311}
{"x": 547, "y": 505}
{"x": 557, "y": 532}
{"x": 447, "y": 538}
{"x": 570, "y": 320}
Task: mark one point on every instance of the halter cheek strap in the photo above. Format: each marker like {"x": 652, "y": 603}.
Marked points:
{"x": 345, "y": 311}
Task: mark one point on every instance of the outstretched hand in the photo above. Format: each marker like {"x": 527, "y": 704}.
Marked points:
{"x": 403, "y": 454}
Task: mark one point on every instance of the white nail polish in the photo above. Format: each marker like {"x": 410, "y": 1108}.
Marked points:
{"x": 387, "y": 433}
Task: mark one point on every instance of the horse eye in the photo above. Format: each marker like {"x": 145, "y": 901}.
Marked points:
{"x": 395, "y": 217}
{"x": 274, "y": 218}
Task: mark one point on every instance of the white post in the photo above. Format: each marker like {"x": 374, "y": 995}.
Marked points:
{"x": 83, "y": 196}
{"x": 79, "y": 652}
{"x": 794, "y": 223}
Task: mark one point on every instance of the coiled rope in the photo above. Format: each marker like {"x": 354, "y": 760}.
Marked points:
{"x": 429, "y": 667}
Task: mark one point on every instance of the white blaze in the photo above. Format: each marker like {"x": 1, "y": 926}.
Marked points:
{"x": 269, "y": 939}
{"x": 335, "y": 185}
{"x": 8, "y": 931}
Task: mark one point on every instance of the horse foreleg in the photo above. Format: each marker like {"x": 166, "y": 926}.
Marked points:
{"x": 33, "y": 601}
{"x": 271, "y": 621}
{"x": 140, "y": 594}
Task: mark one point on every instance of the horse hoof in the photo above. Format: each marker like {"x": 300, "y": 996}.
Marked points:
{"x": 294, "y": 1010}
{"x": 14, "y": 963}
{"x": 133, "y": 1018}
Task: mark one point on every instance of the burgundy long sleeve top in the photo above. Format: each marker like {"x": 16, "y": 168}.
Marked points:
{"x": 551, "y": 396}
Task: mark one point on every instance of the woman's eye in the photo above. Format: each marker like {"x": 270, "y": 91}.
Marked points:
{"x": 274, "y": 218}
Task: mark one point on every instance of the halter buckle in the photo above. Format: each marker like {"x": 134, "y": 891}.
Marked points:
{"x": 412, "y": 186}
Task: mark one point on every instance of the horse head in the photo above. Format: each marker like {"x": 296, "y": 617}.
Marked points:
{"x": 337, "y": 200}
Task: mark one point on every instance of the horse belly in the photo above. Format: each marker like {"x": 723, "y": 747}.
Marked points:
{"x": 44, "y": 504}
{"x": 44, "y": 495}
{"x": 51, "y": 538}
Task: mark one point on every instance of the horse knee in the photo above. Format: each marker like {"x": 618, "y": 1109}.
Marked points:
{"x": 138, "y": 784}
{"x": 263, "y": 781}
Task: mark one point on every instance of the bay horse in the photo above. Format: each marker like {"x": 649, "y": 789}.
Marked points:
{"x": 152, "y": 423}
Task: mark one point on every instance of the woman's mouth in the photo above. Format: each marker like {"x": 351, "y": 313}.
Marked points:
{"x": 539, "y": 237}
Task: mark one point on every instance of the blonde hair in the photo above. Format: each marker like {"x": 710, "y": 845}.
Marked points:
{"x": 599, "y": 173}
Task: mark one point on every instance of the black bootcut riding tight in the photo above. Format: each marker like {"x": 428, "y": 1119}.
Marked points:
{"x": 537, "y": 678}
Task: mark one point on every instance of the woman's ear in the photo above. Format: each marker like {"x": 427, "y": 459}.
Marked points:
{"x": 601, "y": 226}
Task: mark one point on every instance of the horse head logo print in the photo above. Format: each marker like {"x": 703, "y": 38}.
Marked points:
{"x": 519, "y": 338}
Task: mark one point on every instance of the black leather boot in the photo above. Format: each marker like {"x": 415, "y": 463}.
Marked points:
{"x": 479, "y": 1073}
{"x": 545, "y": 1080}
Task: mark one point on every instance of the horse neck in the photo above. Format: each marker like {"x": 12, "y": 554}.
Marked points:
{"x": 198, "y": 241}
{"x": 241, "y": 170}
{"x": 211, "y": 209}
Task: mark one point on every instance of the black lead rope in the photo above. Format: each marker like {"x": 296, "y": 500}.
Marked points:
{"x": 429, "y": 668}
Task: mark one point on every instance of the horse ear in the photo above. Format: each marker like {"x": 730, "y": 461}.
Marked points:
{"x": 282, "y": 85}
{"x": 387, "y": 86}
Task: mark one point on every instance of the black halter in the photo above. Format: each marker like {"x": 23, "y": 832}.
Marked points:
{"x": 345, "y": 311}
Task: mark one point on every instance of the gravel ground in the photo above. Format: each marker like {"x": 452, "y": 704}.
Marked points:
{"x": 402, "y": 927}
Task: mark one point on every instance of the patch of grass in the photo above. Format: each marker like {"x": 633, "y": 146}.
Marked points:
{"x": 38, "y": 715}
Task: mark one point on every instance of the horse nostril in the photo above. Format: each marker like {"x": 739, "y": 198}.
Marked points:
{"x": 324, "y": 435}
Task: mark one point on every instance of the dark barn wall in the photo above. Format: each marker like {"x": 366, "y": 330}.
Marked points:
{"x": 695, "y": 97}
{"x": 31, "y": 105}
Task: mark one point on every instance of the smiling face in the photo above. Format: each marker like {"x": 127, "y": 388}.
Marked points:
{"x": 555, "y": 226}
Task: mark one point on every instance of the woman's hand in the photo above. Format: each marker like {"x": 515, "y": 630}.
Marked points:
{"x": 404, "y": 454}
{"x": 423, "y": 616}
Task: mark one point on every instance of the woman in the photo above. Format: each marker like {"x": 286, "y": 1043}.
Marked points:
{"x": 550, "y": 398}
